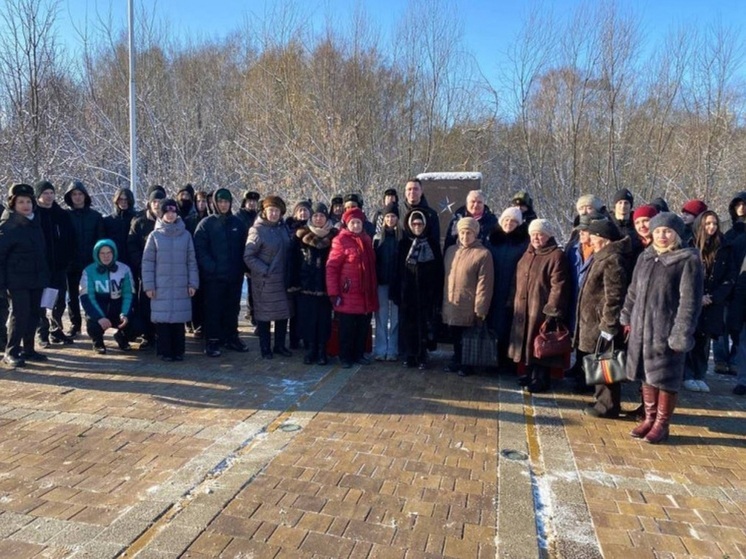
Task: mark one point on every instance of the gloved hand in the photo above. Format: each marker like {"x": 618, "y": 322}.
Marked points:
{"x": 336, "y": 300}
{"x": 478, "y": 321}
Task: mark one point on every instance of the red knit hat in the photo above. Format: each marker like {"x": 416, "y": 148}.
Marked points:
{"x": 694, "y": 207}
{"x": 644, "y": 211}
{"x": 353, "y": 213}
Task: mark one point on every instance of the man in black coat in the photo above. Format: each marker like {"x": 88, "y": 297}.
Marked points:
{"x": 59, "y": 237}
{"x": 88, "y": 225}
{"x": 248, "y": 212}
{"x": 23, "y": 273}
{"x": 219, "y": 244}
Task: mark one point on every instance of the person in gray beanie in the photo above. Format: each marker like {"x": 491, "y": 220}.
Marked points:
{"x": 661, "y": 324}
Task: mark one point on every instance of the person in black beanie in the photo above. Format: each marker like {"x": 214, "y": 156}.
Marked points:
{"x": 337, "y": 209}
{"x": 138, "y": 235}
{"x": 621, "y": 212}
{"x": 89, "y": 229}
{"x": 248, "y": 214}
{"x": 390, "y": 196}
{"x": 59, "y": 238}
{"x": 185, "y": 200}
{"x": 23, "y": 273}
{"x": 219, "y": 243}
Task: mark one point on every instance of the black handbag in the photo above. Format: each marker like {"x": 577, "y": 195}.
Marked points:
{"x": 479, "y": 347}
{"x": 607, "y": 367}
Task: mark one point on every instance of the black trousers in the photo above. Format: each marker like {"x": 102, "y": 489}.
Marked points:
{"x": 198, "y": 309}
{"x": 53, "y": 323}
{"x": 222, "y": 305}
{"x": 112, "y": 312}
{"x": 4, "y": 311}
{"x": 145, "y": 326}
{"x": 262, "y": 330}
{"x": 457, "y": 333}
{"x": 171, "y": 339}
{"x": 414, "y": 324}
{"x": 73, "y": 292}
{"x": 315, "y": 316}
{"x": 24, "y": 316}
{"x": 353, "y": 331}
{"x": 608, "y": 397}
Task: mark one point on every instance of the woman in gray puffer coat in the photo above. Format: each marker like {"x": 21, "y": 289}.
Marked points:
{"x": 170, "y": 278}
{"x": 660, "y": 315}
{"x": 266, "y": 256}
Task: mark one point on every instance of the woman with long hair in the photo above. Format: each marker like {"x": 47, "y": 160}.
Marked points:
{"x": 719, "y": 278}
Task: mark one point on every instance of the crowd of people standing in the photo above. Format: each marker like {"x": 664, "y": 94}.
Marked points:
{"x": 653, "y": 281}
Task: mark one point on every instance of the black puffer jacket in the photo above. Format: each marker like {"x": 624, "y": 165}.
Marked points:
{"x": 117, "y": 225}
{"x": 140, "y": 228}
{"x": 59, "y": 237}
{"x": 219, "y": 242}
{"x": 88, "y": 225}
{"x": 23, "y": 261}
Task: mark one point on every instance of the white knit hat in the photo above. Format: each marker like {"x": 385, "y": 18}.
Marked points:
{"x": 513, "y": 213}
{"x": 541, "y": 226}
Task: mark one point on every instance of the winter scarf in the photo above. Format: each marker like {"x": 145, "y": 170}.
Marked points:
{"x": 420, "y": 251}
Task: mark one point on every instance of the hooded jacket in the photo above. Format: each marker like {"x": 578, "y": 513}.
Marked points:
{"x": 117, "y": 224}
{"x": 23, "y": 262}
{"x": 433, "y": 219}
{"x": 87, "y": 223}
{"x": 140, "y": 228}
{"x": 662, "y": 315}
{"x": 169, "y": 267}
{"x": 106, "y": 290}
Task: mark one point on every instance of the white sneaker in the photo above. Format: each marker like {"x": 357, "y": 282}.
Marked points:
{"x": 692, "y": 385}
{"x": 703, "y": 386}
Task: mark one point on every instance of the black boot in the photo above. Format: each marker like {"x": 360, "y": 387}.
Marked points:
{"x": 323, "y": 359}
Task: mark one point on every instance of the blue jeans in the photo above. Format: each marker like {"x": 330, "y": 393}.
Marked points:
{"x": 741, "y": 358}
{"x": 387, "y": 325}
{"x": 722, "y": 352}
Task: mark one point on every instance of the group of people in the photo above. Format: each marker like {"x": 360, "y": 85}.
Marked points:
{"x": 654, "y": 281}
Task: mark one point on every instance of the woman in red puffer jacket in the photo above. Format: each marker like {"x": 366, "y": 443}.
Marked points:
{"x": 351, "y": 284}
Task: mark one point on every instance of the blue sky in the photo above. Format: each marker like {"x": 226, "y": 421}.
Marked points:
{"x": 490, "y": 25}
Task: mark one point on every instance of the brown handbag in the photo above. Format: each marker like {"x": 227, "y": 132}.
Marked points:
{"x": 552, "y": 343}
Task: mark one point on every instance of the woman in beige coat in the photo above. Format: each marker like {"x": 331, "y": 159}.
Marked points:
{"x": 467, "y": 292}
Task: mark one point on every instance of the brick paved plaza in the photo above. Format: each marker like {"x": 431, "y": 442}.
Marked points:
{"x": 125, "y": 456}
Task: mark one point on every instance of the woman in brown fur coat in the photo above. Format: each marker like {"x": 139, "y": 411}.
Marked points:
{"x": 542, "y": 292}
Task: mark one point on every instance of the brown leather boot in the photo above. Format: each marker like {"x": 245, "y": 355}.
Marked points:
{"x": 650, "y": 401}
{"x": 666, "y": 405}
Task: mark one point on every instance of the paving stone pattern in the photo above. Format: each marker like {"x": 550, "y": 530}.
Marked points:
{"x": 125, "y": 456}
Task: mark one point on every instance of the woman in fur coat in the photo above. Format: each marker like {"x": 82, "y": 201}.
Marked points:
{"x": 600, "y": 303}
{"x": 309, "y": 252}
{"x": 418, "y": 286}
{"x": 542, "y": 293}
{"x": 660, "y": 314}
